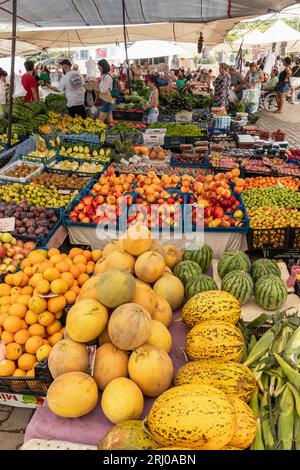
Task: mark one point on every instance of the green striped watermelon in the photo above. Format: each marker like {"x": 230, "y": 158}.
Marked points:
{"x": 198, "y": 284}
{"x": 239, "y": 284}
{"x": 202, "y": 255}
{"x": 270, "y": 292}
{"x": 186, "y": 269}
{"x": 263, "y": 267}
{"x": 233, "y": 261}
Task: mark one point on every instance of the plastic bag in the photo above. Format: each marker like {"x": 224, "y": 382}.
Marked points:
{"x": 89, "y": 100}
{"x": 232, "y": 97}
{"x": 19, "y": 90}
{"x": 251, "y": 99}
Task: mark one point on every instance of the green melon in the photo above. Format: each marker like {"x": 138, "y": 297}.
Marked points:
{"x": 198, "y": 284}
{"x": 186, "y": 270}
{"x": 263, "y": 267}
{"x": 270, "y": 292}
{"x": 202, "y": 255}
{"x": 233, "y": 261}
{"x": 239, "y": 284}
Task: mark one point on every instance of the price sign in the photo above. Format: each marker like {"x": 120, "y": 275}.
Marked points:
{"x": 7, "y": 224}
{"x": 64, "y": 191}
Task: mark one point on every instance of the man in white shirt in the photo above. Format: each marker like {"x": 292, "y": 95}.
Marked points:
{"x": 72, "y": 85}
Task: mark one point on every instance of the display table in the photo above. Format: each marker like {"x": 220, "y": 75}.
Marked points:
{"x": 219, "y": 242}
{"x": 91, "y": 428}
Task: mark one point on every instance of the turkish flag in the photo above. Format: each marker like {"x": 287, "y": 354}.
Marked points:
{"x": 101, "y": 52}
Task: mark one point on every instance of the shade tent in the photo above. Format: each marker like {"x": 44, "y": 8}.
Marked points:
{"x": 214, "y": 33}
{"x": 143, "y": 49}
{"x": 252, "y": 38}
{"x": 109, "y": 12}
{"x": 279, "y": 32}
{"x": 22, "y": 48}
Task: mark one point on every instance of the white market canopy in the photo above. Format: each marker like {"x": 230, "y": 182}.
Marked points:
{"x": 146, "y": 49}
{"x": 22, "y": 48}
{"x": 57, "y": 13}
{"x": 252, "y": 38}
{"x": 279, "y": 32}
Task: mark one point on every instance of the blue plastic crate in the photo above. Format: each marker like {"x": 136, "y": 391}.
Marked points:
{"x": 84, "y": 137}
{"x": 203, "y": 163}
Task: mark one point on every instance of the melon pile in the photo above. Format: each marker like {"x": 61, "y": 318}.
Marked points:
{"x": 32, "y": 303}
{"x": 125, "y": 307}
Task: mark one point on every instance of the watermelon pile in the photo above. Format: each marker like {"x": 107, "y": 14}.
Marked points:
{"x": 263, "y": 267}
{"x": 239, "y": 284}
{"x": 186, "y": 270}
{"x": 234, "y": 260}
{"x": 198, "y": 284}
{"x": 202, "y": 255}
{"x": 270, "y": 292}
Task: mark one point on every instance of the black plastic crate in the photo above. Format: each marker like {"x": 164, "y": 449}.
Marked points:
{"x": 37, "y": 385}
{"x": 294, "y": 241}
{"x": 268, "y": 238}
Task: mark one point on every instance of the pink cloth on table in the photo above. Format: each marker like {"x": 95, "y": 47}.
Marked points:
{"x": 91, "y": 428}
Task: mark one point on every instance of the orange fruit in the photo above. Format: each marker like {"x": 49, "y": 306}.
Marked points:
{"x": 7, "y": 337}
{"x": 75, "y": 252}
{"x": 27, "y": 290}
{"x": 90, "y": 267}
{"x": 4, "y": 309}
{"x": 2, "y": 317}
{"x": 18, "y": 310}
{"x": 5, "y": 300}
{"x": 58, "y": 315}
{"x": 75, "y": 289}
{"x": 7, "y": 368}
{"x": 15, "y": 292}
{"x": 13, "y": 351}
{"x": 87, "y": 254}
{"x": 43, "y": 287}
{"x": 82, "y": 279}
{"x": 37, "y": 304}
{"x": 24, "y": 324}
{"x": 56, "y": 259}
{"x": 36, "y": 257}
{"x": 24, "y": 299}
{"x": 35, "y": 279}
{"x": 52, "y": 252}
{"x": 45, "y": 341}
{"x": 12, "y": 324}
{"x": 63, "y": 267}
{"x": 70, "y": 297}
{"x": 37, "y": 330}
{"x": 31, "y": 317}
{"x": 55, "y": 304}
{"x": 4, "y": 289}
{"x": 68, "y": 278}
{"x": 46, "y": 318}
{"x": 9, "y": 279}
{"x": 75, "y": 271}
{"x": 43, "y": 352}
{"x": 50, "y": 274}
{"x": 55, "y": 338}
{"x": 33, "y": 344}
{"x": 96, "y": 255}
{"x": 26, "y": 361}
{"x": 59, "y": 286}
{"x": 54, "y": 328}
{"x": 19, "y": 373}
{"x": 79, "y": 259}
{"x": 22, "y": 336}
{"x": 25, "y": 263}
{"x": 82, "y": 267}
{"x": 20, "y": 279}
{"x": 30, "y": 373}
{"x": 41, "y": 267}
{"x": 29, "y": 271}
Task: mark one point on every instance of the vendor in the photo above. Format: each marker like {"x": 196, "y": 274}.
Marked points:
{"x": 152, "y": 106}
{"x": 72, "y": 84}
{"x": 180, "y": 83}
{"x": 105, "y": 93}
{"x": 273, "y": 81}
{"x": 3, "y": 87}
{"x": 254, "y": 77}
{"x": 236, "y": 82}
{"x": 222, "y": 86}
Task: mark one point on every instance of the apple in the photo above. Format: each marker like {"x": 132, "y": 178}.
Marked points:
{"x": 18, "y": 257}
{"x": 7, "y": 246}
{"x": 15, "y": 262}
{"x": 11, "y": 252}
{"x": 18, "y": 249}
{"x": 6, "y": 237}
{"x": 29, "y": 246}
{"x": 3, "y": 268}
{"x": 14, "y": 241}
{"x": 6, "y": 261}
{"x": 3, "y": 252}
{"x": 218, "y": 212}
{"x": 11, "y": 268}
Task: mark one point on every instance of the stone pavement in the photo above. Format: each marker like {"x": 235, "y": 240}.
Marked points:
{"x": 288, "y": 121}
{"x": 13, "y": 422}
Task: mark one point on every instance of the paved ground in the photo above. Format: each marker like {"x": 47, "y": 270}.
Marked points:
{"x": 288, "y": 121}
{"x": 13, "y": 421}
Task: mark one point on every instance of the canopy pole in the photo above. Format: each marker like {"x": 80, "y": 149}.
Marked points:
{"x": 12, "y": 70}
{"x": 125, "y": 43}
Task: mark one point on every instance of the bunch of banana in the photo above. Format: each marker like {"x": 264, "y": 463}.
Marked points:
{"x": 53, "y": 117}
{"x": 45, "y": 129}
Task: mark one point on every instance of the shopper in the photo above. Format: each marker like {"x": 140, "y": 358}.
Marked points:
{"x": 72, "y": 84}
{"x": 254, "y": 77}
{"x": 222, "y": 86}
{"x": 162, "y": 80}
{"x": 283, "y": 84}
{"x": 180, "y": 83}
{"x": 30, "y": 83}
{"x": 236, "y": 82}
{"x": 106, "y": 87}
{"x": 45, "y": 75}
{"x": 295, "y": 80}
{"x": 152, "y": 106}
{"x": 273, "y": 81}
{"x": 3, "y": 87}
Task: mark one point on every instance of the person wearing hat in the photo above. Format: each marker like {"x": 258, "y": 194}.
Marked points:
{"x": 72, "y": 85}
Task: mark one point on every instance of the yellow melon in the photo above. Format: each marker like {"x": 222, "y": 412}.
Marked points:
{"x": 120, "y": 259}
{"x": 170, "y": 288}
{"x": 163, "y": 312}
{"x": 144, "y": 296}
{"x": 112, "y": 246}
{"x": 149, "y": 266}
{"x": 67, "y": 356}
{"x": 160, "y": 336}
{"x": 122, "y": 400}
{"x": 137, "y": 239}
{"x": 173, "y": 255}
{"x": 110, "y": 363}
{"x": 86, "y": 320}
{"x": 88, "y": 290}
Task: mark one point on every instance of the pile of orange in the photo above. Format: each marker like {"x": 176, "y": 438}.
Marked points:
{"x": 32, "y": 303}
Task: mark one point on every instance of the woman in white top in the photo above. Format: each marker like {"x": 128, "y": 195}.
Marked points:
{"x": 105, "y": 87}
{"x": 3, "y": 86}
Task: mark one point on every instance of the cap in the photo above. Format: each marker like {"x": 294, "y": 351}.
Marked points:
{"x": 66, "y": 62}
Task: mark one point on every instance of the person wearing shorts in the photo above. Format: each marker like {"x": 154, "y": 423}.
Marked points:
{"x": 107, "y": 102}
{"x": 295, "y": 80}
{"x": 283, "y": 84}
{"x": 152, "y": 106}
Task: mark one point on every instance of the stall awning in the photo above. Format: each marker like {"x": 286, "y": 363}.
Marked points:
{"x": 109, "y": 12}
{"x": 279, "y": 32}
{"x": 22, "y": 48}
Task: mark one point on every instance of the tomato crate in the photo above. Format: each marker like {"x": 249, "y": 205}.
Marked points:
{"x": 294, "y": 241}
{"x": 269, "y": 238}
{"x": 37, "y": 385}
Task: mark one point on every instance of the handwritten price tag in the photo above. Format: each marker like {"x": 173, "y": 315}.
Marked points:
{"x": 7, "y": 224}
